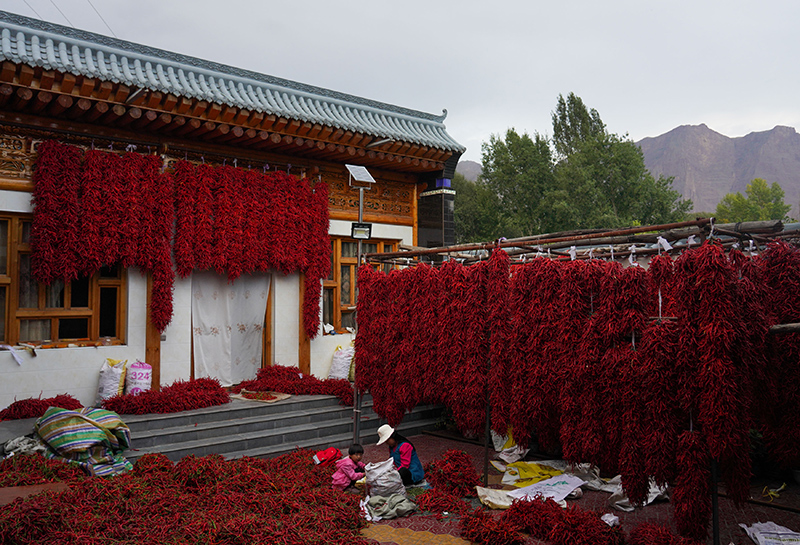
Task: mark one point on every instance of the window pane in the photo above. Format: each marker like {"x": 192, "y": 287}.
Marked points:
{"x": 54, "y": 294}
{"x": 349, "y": 249}
{"x": 80, "y": 293}
{"x": 344, "y": 299}
{"x": 333, "y": 257}
{"x": 108, "y": 312}
{"x": 3, "y": 246}
{"x": 73, "y": 328}
{"x": 349, "y": 320}
{"x": 26, "y": 232}
{"x": 388, "y": 247}
{"x": 34, "y": 330}
{"x": 327, "y": 306}
{"x": 2, "y": 314}
{"x": 28, "y": 287}
{"x": 369, "y": 248}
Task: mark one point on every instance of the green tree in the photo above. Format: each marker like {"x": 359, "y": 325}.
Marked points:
{"x": 519, "y": 170}
{"x": 574, "y": 123}
{"x": 478, "y": 213}
{"x": 583, "y": 178}
{"x": 763, "y": 202}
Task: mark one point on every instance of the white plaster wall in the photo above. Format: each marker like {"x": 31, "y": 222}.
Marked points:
{"x": 286, "y": 319}
{"x": 176, "y": 341}
{"x": 16, "y": 201}
{"x": 74, "y": 371}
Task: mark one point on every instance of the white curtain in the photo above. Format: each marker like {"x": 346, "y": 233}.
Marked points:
{"x": 227, "y": 324}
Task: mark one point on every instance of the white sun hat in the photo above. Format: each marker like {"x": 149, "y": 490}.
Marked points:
{"x": 384, "y": 433}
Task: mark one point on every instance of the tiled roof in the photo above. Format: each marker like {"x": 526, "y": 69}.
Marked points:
{"x": 54, "y": 47}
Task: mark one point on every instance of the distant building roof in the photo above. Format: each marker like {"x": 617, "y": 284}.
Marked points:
{"x": 55, "y": 47}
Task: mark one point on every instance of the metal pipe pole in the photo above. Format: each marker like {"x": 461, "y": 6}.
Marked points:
{"x": 357, "y": 400}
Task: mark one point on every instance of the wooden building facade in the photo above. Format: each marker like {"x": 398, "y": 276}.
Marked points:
{"x": 96, "y": 92}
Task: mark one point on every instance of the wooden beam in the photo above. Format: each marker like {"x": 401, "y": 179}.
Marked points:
{"x": 190, "y": 125}
{"x": 280, "y": 123}
{"x": 154, "y": 100}
{"x": 255, "y": 119}
{"x": 147, "y": 117}
{"x": 170, "y": 101}
{"x": 47, "y": 79}
{"x": 152, "y": 351}
{"x": 86, "y": 88}
{"x": 236, "y": 133}
{"x": 99, "y": 109}
{"x": 61, "y": 104}
{"x": 184, "y": 105}
{"x": 304, "y": 349}
{"x": 782, "y": 329}
{"x": 198, "y": 108}
{"x": 122, "y": 94}
{"x": 25, "y": 75}
{"x": 228, "y": 113}
{"x": 22, "y": 96}
{"x": 177, "y": 123}
{"x": 116, "y": 111}
{"x": 104, "y": 91}
{"x": 42, "y": 100}
{"x": 79, "y": 109}
{"x": 130, "y": 116}
{"x": 213, "y": 111}
{"x": 8, "y": 71}
{"x": 68, "y": 82}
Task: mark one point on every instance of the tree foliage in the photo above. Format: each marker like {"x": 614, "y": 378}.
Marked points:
{"x": 584, "y": 178}
{"x": 763, "y": 202}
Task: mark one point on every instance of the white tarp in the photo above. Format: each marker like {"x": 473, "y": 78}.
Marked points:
{"x": 557, "y": 488}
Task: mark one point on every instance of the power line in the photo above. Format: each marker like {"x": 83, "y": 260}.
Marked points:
{"x": 101, "y": 18}
{"x": 62, "y": 13}
{"x": 33, "y": 10}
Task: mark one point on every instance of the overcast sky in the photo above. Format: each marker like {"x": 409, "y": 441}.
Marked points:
{"x": 646, "y": 66}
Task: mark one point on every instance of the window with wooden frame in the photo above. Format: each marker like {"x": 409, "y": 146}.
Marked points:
{"x": 86, "y": 311}
{"x": 338, "y": 290}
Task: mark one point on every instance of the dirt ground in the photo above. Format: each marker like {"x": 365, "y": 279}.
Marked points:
{"x": 420, "y": 529}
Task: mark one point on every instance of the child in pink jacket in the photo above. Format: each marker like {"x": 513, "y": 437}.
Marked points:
{"x": 347, "y": 469}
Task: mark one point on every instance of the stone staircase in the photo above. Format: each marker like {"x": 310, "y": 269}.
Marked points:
{"x": 251, "y": 428}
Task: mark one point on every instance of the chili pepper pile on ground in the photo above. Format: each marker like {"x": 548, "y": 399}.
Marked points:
{"x": 546, "y": 520}
{"x": 208, "y": 500}
{"x": 438, "y": 503}
{"x": 648, "y": 533}
{"x": 480, "y": 526}
{"x": 30, "y": 469}
{"x": 179, "y": 396}
{"x": 258, "y": 396}
{"x": 453, "y": 473}
{"x": 35, "y": 407}
{"x": 288, "y": 380}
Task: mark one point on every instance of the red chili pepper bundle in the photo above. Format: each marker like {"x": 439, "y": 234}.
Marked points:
{"x": 661, "y": 417}
{"x": 179, "y": 396}
{"x": 36, "y": 407}
{"x": 205, "y": 184}
{"x": 372, "y": 287}
{"x": 289, "y": 380}
{"x": 534, "y": 397}
{"x": 258, "y": 396}
{"x": 185, "y": 198}
{"x": 134, "y": 225}
{"x": 632, "y": 424}
{"x": 780, "y": 404}
{"x": 480, "y": 526}
{"x": 453, "y": 473}
{"x": 536, "y": 517}
{"x": 439, "y": 502}
{"x": 56, "y": 223}
{"x": 661, "y": 276}
{"x": 500, "y": 387}
{"x": 648, "y": 533}
{"x": 691, "y": 500}
{"x": 30, "y": 469}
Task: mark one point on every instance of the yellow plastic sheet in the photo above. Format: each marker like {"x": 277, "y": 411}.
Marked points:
{"x": 529, "y": 473}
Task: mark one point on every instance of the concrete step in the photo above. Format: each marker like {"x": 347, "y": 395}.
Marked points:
{"x": 257, "y": 431}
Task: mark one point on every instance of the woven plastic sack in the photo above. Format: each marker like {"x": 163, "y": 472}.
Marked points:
{"x": 383, "y": 479}
{"x": 138, "y": 378}
{"x": 112, "y": 380}
{"x": 340, "y": 368}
